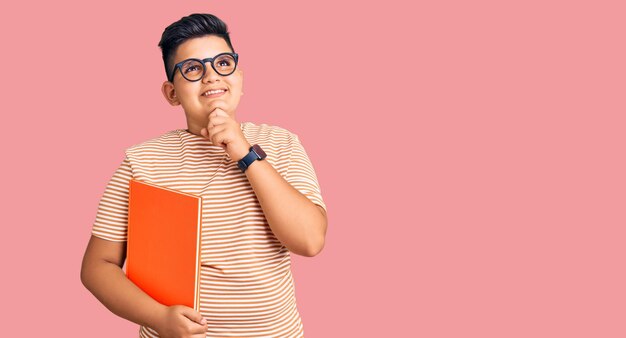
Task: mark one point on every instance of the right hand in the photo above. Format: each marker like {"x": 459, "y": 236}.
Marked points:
{"x": 179, "y": 321}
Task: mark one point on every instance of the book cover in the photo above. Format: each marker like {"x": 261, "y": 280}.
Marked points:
{"x": 163, "y": 246}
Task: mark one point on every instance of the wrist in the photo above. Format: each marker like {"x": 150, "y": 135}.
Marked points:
{"x": 240, "y": 151}
{"x": 158, "y": 316}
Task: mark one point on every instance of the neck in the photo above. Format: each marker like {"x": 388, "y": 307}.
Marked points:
{"x": 191, "y": 131}
{"x": 195, "y": 131}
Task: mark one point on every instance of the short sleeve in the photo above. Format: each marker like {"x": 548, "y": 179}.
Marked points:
{"x": 112, "y": 217}
{"x": 301, "y": 174}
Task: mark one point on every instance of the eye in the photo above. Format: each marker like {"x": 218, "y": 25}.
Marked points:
{"x": 191, "y": 68}
{"x": 224, "y": 63}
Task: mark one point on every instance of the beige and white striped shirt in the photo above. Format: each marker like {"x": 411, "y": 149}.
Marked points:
{"x": 246, "y": 286}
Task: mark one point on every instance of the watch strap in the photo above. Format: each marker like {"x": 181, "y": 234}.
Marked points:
{"x": 256, "y": 153}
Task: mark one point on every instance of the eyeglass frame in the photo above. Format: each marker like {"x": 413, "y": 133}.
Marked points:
{"x": 203, "y": 61}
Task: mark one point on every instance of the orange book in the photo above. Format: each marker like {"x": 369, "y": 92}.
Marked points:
{"x": 163, "y": 246}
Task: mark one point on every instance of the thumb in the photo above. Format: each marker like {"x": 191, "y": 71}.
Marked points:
{"x": 193, "y": 315}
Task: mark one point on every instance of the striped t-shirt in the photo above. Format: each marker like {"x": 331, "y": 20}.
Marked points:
{"x": 246, "y": 286}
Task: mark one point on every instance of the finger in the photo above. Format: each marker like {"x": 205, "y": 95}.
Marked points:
{"x": 199, "y": 329}
{"x": 192, "y": 314}
{"x": 215, "y": 130}
{"x": 217, "y": 134}
{"x": 218, "y": 111}
{"x": 206, "y": 132}
{"x": 219, "y": 138}
{"x": 218, "y": 120}
{"x": 221, "y": 112}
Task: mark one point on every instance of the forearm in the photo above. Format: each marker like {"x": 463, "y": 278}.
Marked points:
{"x": 114, "y": 290}
{"x": 296, "y": 222}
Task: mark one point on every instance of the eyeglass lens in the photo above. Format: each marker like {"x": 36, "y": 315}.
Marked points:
{"x": 192, "y": 70}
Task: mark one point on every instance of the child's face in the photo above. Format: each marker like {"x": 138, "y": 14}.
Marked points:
{"x": 190, "y": 94}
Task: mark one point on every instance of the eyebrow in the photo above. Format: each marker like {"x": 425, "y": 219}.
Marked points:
{"x": 200, "y": 58}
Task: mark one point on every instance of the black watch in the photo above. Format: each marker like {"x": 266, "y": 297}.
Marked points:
{"x": 256, "y": 153}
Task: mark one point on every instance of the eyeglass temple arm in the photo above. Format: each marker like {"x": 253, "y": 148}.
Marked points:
{"x": 171, "y": 75}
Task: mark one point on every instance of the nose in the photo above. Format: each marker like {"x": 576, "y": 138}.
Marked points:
{"x": 210, "y": 75}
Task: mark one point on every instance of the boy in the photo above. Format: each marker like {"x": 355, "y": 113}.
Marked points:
{"x": 261, "y": 201}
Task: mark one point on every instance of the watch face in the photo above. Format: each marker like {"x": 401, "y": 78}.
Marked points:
{"x": 258, "y": 150}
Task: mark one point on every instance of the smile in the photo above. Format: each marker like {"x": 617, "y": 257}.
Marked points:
{"x": 214, "y": 93}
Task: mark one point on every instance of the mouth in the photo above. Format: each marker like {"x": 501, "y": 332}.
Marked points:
{"x": 214, "y": 92}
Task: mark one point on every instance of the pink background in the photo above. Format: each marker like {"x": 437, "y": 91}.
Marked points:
{"x": 471, "y": 154}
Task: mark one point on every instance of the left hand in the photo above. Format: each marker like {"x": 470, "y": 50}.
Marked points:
{"x": 226, "y": 132}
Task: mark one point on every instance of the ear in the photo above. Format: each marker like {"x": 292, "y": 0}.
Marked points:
{"x": 170, "y": 93}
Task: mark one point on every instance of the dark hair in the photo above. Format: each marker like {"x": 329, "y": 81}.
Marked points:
{"x": 189, "y": 27}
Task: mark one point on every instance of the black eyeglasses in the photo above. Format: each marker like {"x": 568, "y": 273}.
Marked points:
{"x": 194, "y": 69}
